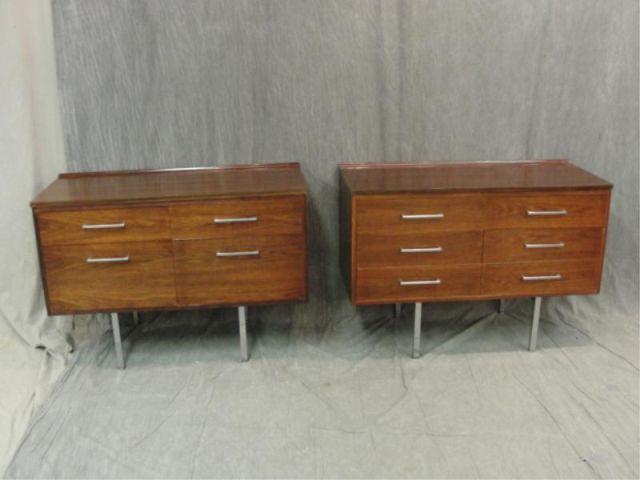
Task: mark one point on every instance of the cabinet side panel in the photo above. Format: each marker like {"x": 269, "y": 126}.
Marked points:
{"x": 603, "y": 252}
{"x": 345, "y": 235}
{"x": 43, "y": 273}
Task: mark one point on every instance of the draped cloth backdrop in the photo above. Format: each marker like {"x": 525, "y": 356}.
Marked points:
{"x": 31, "y": 155}
{"x": 151, "y": 84}
{"x": 166, "y": 83}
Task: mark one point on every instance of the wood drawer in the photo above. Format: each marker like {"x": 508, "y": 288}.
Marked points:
{"x": 241, "y": 218}
{"x": 542, "y": 278}
{"x": 542, "y": 244}
{"x": 419, "y": 213}
{"x": 139, "y": 275}
{"x": 102, "y": 225}
{"x": 271, "y": 269}
{"x": 383, "y": 285}
{"x": 435, "y": 248}
{"x": 543, "y": 210}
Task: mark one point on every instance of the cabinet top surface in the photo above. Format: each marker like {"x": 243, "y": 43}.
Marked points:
{"x": 380, "y": 178}
{"x": 131, "y": 186}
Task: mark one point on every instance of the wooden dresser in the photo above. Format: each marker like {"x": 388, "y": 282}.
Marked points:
{"x": 129, "y": 241}
{"x": 471, "y": 231}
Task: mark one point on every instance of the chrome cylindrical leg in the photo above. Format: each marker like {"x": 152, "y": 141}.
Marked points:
{"x": 115, "y": 325}
{"x": 136, "y": 318}
{"x": 417, "y": 326}
{"x": 242, "y": 321}
{"x": 535, "y": 321}
{"x": 397, "y": 309}
{"x": 501, "y": 304}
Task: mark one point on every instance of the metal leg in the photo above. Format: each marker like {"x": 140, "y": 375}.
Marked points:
{"x": 535, "y": 321}
{"x": 115, "y": 325}
{"x": 501, "y": 305}
{"x": 397, "y": 309}
{"x": 242, "y": 320}
{"x": 136, "y": 318}
{"x": 417, "y": 325}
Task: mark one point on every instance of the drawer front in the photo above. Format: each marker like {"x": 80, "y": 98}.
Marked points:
{"x": 436, "y": 248}
{"x": 109, "y": 276}
{"x": 542, "y": 244}
{"x": 543, "y": 210}
{"x": 238, "y": 272}
{"x": 414, "y": 284}
{"x": 419, "y": 213}
{"x": 103, "y": 225}
{"x": 542, "y": 278}
{"x": 242, "y": 218}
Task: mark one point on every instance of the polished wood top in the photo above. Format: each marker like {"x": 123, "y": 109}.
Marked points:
{"x": 460, "y": 177}
{"x": 149, "y": 186}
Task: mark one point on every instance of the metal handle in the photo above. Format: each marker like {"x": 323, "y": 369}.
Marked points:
{"x": 406, "y": 283}
{"x": 246, "y": 253}
{"x": 422, "y": 216}
{"x": 108, "y": 260}
{"x": 235, "y": 220}
{"x": 102, "y": 226}
{"x": 544, "y": 245}
{"x": 546, "y": 213}
{"x": 539, "y": 278}
{"x": 421, "y": 250}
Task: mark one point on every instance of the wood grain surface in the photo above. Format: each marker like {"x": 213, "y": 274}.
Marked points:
{"x": 145, "y": 281}
{"x": 478, "y": 176}
{"x": 275, "y": 273}
{"x": 99, "y": 188}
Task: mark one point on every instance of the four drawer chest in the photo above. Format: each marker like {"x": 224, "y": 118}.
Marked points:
{"x": 471, "y": 231}
{"x": 130, "y": 241}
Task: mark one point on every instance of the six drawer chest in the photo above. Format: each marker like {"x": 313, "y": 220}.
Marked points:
{"x": 129, "y": 241}
{"x": 414, "y": 233}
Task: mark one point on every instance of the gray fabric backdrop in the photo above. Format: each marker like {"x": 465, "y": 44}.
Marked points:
{"x": 330, "y": 393}
{"x": 168, "y": 83}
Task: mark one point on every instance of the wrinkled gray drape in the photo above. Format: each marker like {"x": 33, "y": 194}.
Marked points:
{"x": 166, "y": 84}
{"x": 31, "y": 155}
{"x": 331, "y": 391}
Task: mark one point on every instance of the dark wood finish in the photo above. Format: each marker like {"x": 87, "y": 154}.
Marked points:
{"x": 63, "y": 227}
{"x": 578, "y": 277}
{"x": 584, "y": 209}
{"x": 483, "y": 229}
{"x": 464, "y": 177}
{"x": 152, "y": 186}
{"x": 380, "y": 285}
{"x": 380, "y": 250}
{"x": 510, "y": 245}
{"x": 74, "y": 285}
{"x": 169, "y": 233}
{"x": 276, "y": 273}
{"x": 277, "y": 216}
{"x": 460, "y": 212}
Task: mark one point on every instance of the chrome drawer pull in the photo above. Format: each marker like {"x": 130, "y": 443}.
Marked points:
{"x": 247, "y": 253}
{"x": 546, "y": 213}
{"x": 544, "y": 245}
{"x": 407, "y": 283}
{"x": 422, "y": 216}
{"x": 235, "y": 220}
{"x": 108, "y": 260}
{"x": 539, "y": 278}
{"x": 421, "y": 250}
{"x": 103, "y": 226}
